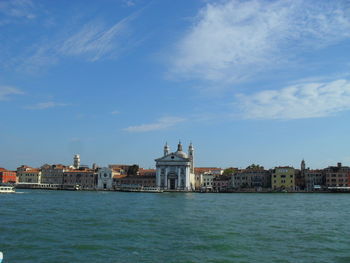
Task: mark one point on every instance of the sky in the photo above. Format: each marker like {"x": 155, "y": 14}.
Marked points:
{"x": 255, "y": 81}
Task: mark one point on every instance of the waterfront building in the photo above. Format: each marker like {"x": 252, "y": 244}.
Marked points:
{"x": 253, "y": 177}
{"x": 314, "y": 179}
{"x": 198, "y": 181}
{"x": 122, "y": 169}
{"x": 337, "y": 176}
{"x": 104, "y": 178}
{"x": 147, "y": 172}
{"x": 207, "y": 181}
{"x": 283, "y": 178}
{"x": 84, "y": 179}
{"x": 175, "y": 170}
{"x": 53, "y": 174}
{"x": 213, "y": 170}
{"x": 221, "y": 183}
{"x": 135, "y": 181}
{"x": 204, "y": 177}
{"x": 27, "y": 174}
{"x": 7, "y": 176}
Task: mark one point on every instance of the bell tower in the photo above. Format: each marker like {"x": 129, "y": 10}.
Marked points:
{"x": 302, "y": 165}
{"x": 166, "y": 149}
{"x": 191, "y": 156}
{"x": 76, "y": 162}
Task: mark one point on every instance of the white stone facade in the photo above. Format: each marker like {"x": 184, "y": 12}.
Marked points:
{"x": 104, "y": 178}
{"x": 175, "y": 170}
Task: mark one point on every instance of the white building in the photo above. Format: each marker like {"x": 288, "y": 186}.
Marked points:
{"x": 104, "y": 178}
{"x": 175, "y": 170}
{"x": 207, "y": 181}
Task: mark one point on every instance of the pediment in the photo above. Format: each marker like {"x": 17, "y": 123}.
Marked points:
{"x": 172, "y": 158}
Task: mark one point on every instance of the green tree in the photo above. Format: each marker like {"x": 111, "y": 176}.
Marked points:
{"x": 229, "y": 171}
{"x": 255, "y": 167}
{"x": 133, "y": 170}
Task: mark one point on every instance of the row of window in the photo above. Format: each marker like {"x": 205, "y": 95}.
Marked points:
{"x": 283, "y": 176}
{"x": 282, "y": 181}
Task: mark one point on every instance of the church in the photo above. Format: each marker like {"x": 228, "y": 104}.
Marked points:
{"x": 175, "y": 170}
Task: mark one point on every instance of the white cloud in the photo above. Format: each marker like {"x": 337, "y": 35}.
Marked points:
{"x": 305, "y": 100}
{"x": 7, "y": 91}
{"x": 46, "y": 105}
{"x": 115, "y": 112}
{"x": 161, "y": 124}
{"x": 232, "y": 40}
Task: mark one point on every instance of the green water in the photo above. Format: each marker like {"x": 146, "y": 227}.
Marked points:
{"x": 63, "y": 226}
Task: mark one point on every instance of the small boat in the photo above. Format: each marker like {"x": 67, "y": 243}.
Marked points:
{"x": 149, "y": 189}
{"x": 6, "y": 189}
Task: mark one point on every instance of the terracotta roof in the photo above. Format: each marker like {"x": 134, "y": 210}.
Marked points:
{"x": 198, "y": 170}
{"x": 79, "y": 171}
{"x": 31, "y": 170}
{"x": 118, "y": 176}
{"x": 145, "y": 172}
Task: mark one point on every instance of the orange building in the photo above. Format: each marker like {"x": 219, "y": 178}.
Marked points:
{"x": 7, "y": 176}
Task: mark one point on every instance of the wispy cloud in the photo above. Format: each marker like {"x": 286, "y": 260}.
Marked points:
{"x": 160, "y": 124}
{"x": 233, "y": 40}
{"x": 12, "y": 9}
{"x": 91, "y": 41}
{"x": 7, "y": 91}
{"x": 115, "y": 112}
{"x": 129, "y": 3}
{"x": 46, "y": 105}
{"x": 304, "y": 100}
{"x": 96, "y": 41}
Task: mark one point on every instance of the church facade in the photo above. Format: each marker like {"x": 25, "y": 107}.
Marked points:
{"x": 175, "y": 170}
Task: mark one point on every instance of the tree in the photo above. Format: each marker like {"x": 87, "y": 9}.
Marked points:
{"x": 255, "y": 167}
{"x": 133, "y": 170}
{"x": 229, "y": 171}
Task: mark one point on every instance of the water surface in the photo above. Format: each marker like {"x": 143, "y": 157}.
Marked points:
{"x": 65, "y": 226}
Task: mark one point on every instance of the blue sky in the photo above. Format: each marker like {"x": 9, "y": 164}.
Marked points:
{"x": 246, "y": 81}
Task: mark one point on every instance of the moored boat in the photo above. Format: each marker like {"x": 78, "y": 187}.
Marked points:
{"x": 6, "y": 189}
{"x": 149, "y": 189}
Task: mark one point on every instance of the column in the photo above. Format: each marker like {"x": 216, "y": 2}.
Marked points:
{"x": 158, "y": 176}
{"x": 187, "y": 176}
{"x": 166, "y": 178}
{"x": 178, "y": 177}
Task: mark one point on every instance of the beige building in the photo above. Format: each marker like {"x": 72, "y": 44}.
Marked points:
{"x": 79, "y": 179}
{"x": 52, "y": 174}
{"x": 27, "y": 174}
{"x": 283, "y": 178}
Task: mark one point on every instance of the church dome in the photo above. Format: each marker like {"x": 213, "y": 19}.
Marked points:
{"x": 181, "y": 154}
